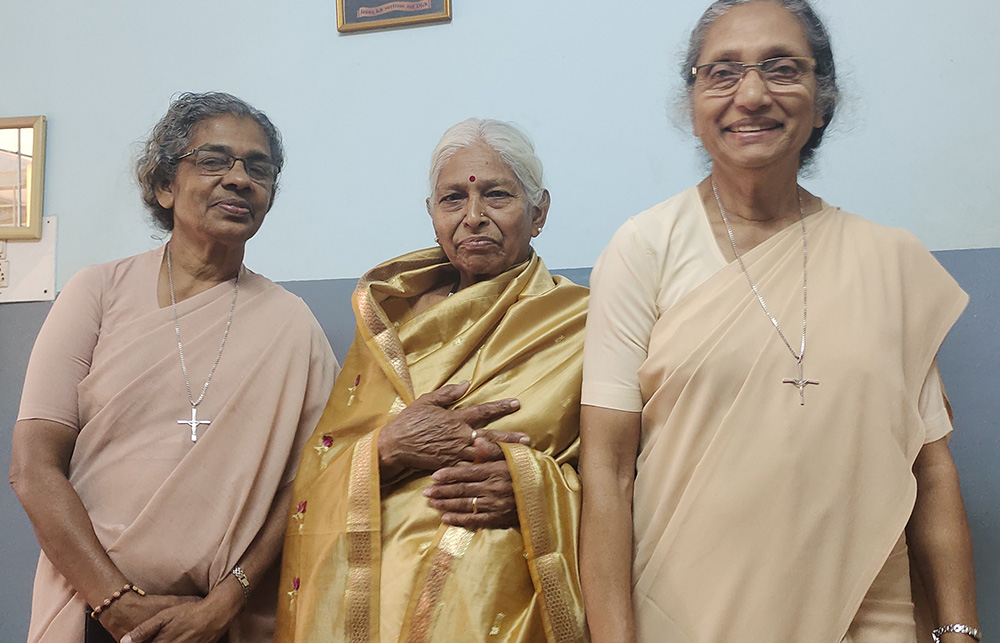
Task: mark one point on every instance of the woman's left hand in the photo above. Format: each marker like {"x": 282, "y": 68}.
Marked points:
{"x": 203, "y": 621}
{"x": 477, "y": 495}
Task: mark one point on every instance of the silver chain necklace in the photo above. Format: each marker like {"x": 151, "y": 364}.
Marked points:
{"x": 800, "y": 382}
{"x": 194, "y": 421}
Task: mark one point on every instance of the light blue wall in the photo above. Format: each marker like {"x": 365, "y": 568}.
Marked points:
{"x": 592, "y": 81}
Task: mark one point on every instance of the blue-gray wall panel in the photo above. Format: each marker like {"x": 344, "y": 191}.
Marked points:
{"x": 19, "y": 324}
{"x": 970, "y": 366}
{"x": 968, "y": 360}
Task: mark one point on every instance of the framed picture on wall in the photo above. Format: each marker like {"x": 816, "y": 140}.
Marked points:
{"x": 367, "y": 15}
{"x": 22, "y": 170}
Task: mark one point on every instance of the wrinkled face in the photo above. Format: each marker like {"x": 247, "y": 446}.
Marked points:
{"x": 481, "y": 215}
{"x": 226, "y": 208}
{"x": 756, "y": 127}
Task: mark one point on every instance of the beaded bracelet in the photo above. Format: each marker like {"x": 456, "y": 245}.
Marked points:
{"x": 956, "y": 628}
{"x": 128, "y": 587}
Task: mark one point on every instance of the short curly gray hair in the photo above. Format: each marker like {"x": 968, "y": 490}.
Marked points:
{"x": 170, "y": 138}
{"x": 827, "y": 91}
{"x": 511, "y": 144}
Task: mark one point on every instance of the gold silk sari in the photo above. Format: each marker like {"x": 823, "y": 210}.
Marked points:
{"x": 367, "y": 560}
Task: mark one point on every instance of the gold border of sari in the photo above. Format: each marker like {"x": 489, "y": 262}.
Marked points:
{"x": 363, "y": 544}
{"x": 452, "y": 546}
{"x": 541, "y": 551}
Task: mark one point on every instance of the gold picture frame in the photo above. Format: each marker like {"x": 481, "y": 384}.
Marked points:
{"x": 370, "y": 15}
{"x": 22, "y": 176}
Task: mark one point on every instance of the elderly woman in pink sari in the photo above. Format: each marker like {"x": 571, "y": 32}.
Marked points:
{"x": 165, "y": 405}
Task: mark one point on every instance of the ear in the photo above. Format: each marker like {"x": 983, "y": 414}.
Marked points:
{"x": 427, "y": 204}
{"x": 539, "y": 214}
{"x": 691, "y": 119}
{"x": 818, "y": 120}
{"x": 165, "y": 195}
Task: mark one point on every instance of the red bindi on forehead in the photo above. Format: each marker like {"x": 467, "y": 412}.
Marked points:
{"x": 472, "y": 179}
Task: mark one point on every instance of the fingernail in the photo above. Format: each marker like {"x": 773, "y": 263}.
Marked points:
{"x": 515, "y": 404}
{"x": 525, "y": 440}
{"x": 127, "y": 638}
{"x": 464, "y": 383}
{"x": 427, "y": 492}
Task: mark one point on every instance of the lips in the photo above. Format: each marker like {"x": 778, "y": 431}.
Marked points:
{"x": 747, "y": 126}
{"x": 235, "y": 207}
{"x": 478, "y": 243}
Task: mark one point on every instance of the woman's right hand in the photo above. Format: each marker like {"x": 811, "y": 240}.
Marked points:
{"x": 130, "y": 610}
{"x": 427, "y": 436}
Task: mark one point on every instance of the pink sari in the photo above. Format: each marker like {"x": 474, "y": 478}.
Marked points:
{"x": 175, "y": 515}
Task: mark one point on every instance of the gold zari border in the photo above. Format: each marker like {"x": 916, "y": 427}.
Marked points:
{"x": 454, "y": 542}
{"x": 361, "y": 542}
{"x": 548, "y": 564}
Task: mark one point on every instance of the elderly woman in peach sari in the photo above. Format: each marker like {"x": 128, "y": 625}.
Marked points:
{"x": 749, "y": 476}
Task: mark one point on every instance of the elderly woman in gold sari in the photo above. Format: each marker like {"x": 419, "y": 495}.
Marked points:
{"x": 437, "y": 500}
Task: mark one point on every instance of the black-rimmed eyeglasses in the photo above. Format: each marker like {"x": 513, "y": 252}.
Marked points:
{"x": 216, "y": 163}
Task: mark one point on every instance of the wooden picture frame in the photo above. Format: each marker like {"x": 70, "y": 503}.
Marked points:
{"x": 22, "y": 177}
{"x": 369, "y": 15}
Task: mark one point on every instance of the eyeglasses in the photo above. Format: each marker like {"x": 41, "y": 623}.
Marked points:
{"x": 780, "y": 74}
{"x": 215, "y": 163}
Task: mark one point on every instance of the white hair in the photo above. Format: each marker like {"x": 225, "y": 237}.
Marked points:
{"x": 511, "y": 144}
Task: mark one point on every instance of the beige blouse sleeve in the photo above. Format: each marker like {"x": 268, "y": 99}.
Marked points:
{"x": 623, "y": 310}
{"x": 932, "y": 406}
{"x": 62, "y": 353}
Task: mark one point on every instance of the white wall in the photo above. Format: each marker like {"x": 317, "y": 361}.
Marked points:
{"x": 591, "y": 81}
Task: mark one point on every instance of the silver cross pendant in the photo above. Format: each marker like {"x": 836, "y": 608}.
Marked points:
{"x": 801, "y": 383}
{"x": 193, "y": 423}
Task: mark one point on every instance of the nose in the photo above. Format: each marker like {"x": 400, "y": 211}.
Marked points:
{"x": 752, "y": 92}
{"x": 473, "y": 213}
{"x": 238, "y": 178}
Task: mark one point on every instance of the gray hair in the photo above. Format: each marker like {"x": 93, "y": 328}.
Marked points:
{"x": 157, "y": 163}
{"x": 511, "y": 144}
{"x": 827, "y": 92}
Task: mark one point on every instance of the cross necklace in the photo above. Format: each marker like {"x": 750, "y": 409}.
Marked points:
{"x": 194, "y": 422}
{"x": 799, "y": 382}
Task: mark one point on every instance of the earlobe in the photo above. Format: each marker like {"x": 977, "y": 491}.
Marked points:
{"x": 165, "y": 196}
{"x": 539, "y": 213}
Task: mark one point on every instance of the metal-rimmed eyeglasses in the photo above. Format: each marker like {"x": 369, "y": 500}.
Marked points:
{"x": 780, "y": 74}
{"x": 211, "y": 162}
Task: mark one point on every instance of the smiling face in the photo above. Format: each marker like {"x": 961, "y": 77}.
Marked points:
{"x": 225, "y": 209}
{"x": 481, "y": 215}
{"x": 755, "y": 127}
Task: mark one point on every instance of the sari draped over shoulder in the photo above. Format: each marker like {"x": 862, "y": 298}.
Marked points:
{"x": 174, "y": 515}
{"x": 757, "y": 518}
{"x": 367, "y": 560}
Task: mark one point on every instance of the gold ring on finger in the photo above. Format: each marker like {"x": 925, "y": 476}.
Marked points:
{"x": 475, "y": 502}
